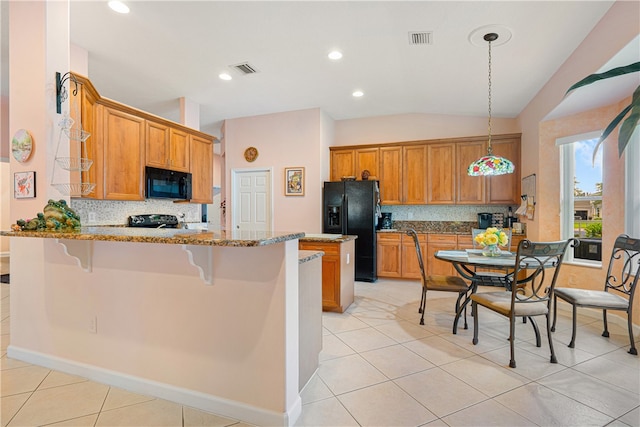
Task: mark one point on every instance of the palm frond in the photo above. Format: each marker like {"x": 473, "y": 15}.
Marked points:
{"x": 614, "y": 72}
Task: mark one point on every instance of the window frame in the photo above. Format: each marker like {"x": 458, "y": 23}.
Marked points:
{"x": 567, "y": 176}
{"x": 632, "y": 185}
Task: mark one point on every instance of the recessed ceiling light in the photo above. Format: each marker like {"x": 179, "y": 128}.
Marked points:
{"x": 225, "y": 76}
{"x": 335, "y": 55}
{"x": 118, "y": 6}
{"x": 358, "y": 93}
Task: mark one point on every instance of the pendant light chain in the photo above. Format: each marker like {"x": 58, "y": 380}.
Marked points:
{"x": 489, "y": 149}
{"x": 489, "y": 164}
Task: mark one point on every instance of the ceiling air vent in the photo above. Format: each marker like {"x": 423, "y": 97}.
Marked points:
{"x": 421, "y": 37}
{"x": 245, "y": 68}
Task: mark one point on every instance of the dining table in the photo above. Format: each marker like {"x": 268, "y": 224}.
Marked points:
{"x": 467, "y": 261}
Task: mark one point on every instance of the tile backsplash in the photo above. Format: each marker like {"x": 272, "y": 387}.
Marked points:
{"x": 113, "y": 212}
{"x": 441, "y": 213}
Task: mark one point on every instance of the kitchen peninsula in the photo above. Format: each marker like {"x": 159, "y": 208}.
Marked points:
{"x": 206, "y": 319}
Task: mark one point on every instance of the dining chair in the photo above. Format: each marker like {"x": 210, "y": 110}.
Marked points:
{"x": 536, "y": 270}
{"x": 491, "y": 278}
{"x": 438, "y": 283}
{"x": 619, "y": 289}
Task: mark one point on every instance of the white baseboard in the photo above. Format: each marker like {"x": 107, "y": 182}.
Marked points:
{"x": 205, "y": 402}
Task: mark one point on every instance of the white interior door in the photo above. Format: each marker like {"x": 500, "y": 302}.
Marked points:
{"x": 252, "y": 206}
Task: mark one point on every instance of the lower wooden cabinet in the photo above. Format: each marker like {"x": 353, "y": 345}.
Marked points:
{"x": 338, "y": 272}
{"x": 397, "y": 255}
{"x": 440, "y": 242}
{"x": 389, "y": 254}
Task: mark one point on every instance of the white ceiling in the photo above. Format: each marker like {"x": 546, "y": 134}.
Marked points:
{"x": 165, "y": 50}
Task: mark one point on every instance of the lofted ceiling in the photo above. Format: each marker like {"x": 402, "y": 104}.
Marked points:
{"x": 162, "y": 51}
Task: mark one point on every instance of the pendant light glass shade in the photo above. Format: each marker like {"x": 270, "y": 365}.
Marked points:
{"x": 490, "y": 165}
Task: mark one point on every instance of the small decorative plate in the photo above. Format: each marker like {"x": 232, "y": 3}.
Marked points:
{"x": 21, "y": 145}
{"x": 250, "y": 154}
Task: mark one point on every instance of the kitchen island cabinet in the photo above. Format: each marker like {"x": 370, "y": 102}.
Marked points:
{"x": 338, "y": 268}
{"x": 121, "y": 305}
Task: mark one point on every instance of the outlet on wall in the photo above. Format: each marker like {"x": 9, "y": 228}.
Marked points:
{"x": 92, "y": 217}
{"x": 93, "y": 325}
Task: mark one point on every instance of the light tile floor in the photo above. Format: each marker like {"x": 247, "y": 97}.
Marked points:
{"x": 379, "y": 367}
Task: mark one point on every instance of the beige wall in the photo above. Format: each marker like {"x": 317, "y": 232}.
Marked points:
{"x": 612, "y": 194}
{"x": 291, "y": 139}
{"x": 5, "y": 222}
{"x": 540, "y": 156}
{"x": 414, "y": 127}
{"x": 615, "y": 30}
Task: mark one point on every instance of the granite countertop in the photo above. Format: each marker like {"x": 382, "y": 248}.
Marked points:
{"x": 435, "y": 227}
{"x": 306, "y": 256}
{"x": 327, "y": 238}
{"x": 176, "y": 236}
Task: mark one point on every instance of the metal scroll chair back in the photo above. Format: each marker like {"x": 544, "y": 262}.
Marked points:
{"x": 536, "y": 271}
{"x": 619, "y": 288}
{"x": 438, "y": 283}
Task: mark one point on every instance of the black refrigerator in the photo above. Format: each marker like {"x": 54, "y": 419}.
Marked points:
{"x": 352, "y": 207}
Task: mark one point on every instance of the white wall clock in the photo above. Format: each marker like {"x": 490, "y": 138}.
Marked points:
{"x": 22, "y": 145}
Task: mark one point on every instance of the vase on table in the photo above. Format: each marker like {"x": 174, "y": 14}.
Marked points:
{"x": 491, "y": 250}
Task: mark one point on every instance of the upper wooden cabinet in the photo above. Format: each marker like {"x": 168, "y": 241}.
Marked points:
{"x": 505, "y": 189}
{"x": 351, "y": 162}
{"x": 433, "y": 172}
{"x": 403, "y": 178}
{"x": 391, "y": 175}
{"x": 166, "y": 147}
{"x": 123, "y": 140}
{"x": 123, "y": 137}
{"x": 201, "y": 170}
{"x": 179, "y": 147}
{"x": 343, "y": 163}
{"x": 367, "y": 159}
{"x": 157, "y": 145}
{"x": 414, "y": 175}
{"x": 441, "y": 176}
{"x": 470, "y": 190}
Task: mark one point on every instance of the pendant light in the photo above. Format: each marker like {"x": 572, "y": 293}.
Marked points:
{"x": 490, "y": 164}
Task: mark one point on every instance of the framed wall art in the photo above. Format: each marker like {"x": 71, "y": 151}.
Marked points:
{"x": 21, "y": 145}
{"x": 294, "y": 181}
{"x": 24, "y": 185}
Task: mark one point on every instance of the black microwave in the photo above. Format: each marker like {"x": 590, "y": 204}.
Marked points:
{"x": 167, "y": 184}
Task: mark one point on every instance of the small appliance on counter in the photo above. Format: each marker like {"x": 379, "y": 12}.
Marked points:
{"x": 485, "y": 220}
{"x": 386, "y": 222}
{"x": 497, "y": 220}
{"x": 153, "y": 221}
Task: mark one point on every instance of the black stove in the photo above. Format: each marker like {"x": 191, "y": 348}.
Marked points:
{"x": 153, "y": 221}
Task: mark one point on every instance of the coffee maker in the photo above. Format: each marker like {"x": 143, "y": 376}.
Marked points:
{"x": 485, "y": 220}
